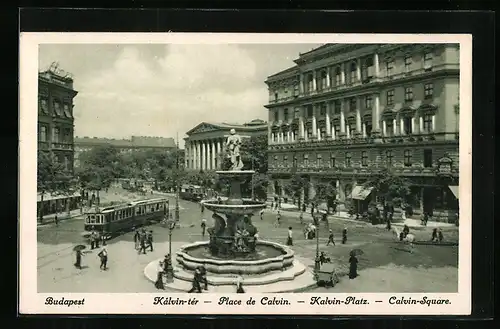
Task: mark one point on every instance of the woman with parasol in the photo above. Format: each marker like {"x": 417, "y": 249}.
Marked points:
{"x": 353, "y": 263}
{"x": 78, "y": 250}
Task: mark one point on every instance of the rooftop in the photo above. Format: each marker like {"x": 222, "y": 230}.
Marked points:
{"x": 133, "y": 142}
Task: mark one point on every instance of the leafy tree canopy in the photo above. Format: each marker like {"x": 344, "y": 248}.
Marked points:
{"x": 390, "y": 187}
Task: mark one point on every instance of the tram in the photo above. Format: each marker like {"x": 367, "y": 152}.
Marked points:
{"x": 114, "y": 220}
{"x": 191, "y": 192}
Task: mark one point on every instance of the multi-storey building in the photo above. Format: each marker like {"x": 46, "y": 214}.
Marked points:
{"x": 55, "y": 114}
{"x": 205, "y": 142}
{"x": 83, "y": 144}
{"x": 346, "y": 111}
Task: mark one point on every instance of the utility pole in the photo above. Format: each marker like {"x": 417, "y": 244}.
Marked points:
{"x": 177, "y": 182}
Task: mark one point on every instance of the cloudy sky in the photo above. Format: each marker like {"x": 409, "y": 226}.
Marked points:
{"x": 158, "y": 90}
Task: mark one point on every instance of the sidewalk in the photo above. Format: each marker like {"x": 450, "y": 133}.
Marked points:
{"x": 62, "y": 216}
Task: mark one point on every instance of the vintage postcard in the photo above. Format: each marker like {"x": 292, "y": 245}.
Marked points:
{"x": 245, "y": 174}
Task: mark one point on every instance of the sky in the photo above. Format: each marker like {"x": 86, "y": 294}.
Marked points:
{"x": 162, "y": 90}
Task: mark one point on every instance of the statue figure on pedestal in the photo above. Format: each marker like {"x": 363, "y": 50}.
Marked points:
{"x": 233, "y": 144}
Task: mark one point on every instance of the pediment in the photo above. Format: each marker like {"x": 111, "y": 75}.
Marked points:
{"x": 203, "y": 127}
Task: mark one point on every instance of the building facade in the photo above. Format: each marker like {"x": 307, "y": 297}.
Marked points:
{"x": 347, "y": 111}
{"x": 205, "y": 142}
{"x": 55, "y": 114}
{"x": 83, "y": 144}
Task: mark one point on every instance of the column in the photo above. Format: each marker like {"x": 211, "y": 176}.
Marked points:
{"x": 289, "y": 136}
{"x": 358, "y": 69}
{"x": 421, "y": 124}
{"x": 213, "y": 155}
{"x": 394, "y": 126}
{"x": 314, "y": 80}
{"x": 327, "y": 118}
{"x": 384, "y": 128}
{"x": 301, "y": 124}
{"x": 342, "y": 117}
{"x": 186, "y": 155}
{"x": 376, "y": 65}
{"x": 314, "y": 127}
{"x": 342, "y": 73}
{"x": 402, "y": 126}
{"x": 358, "y": 116}
{"x": 269, "y": 133}
{"x": 376, "y": 114}
{"x": 413, "y": 127}
{"x": 333, "y": 133}
{"x": 364, "y": 130}
{"x": 433, "y": 123}
{"x": 301, "y": 83}
{"x": 422, "y": 200}
{"x": 219, "y": 154}
{"x": 204, "y": 155}
{"x": 328, "y": 77}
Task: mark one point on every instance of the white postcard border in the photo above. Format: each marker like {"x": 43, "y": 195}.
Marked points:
{"x": 31, "y": 302}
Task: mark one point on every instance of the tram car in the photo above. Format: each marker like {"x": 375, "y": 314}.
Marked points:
{"x": 191, "y": 192}
{"x": 114, "y": 220}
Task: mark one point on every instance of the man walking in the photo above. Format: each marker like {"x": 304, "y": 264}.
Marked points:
{"x": 56, "y": 220}
{"x": 278, "y": 219}
{"x": 330, "y": 238}
{"x": 289, "y": 241}
{"x": 150, "y": 240}
{"x": 137, "y": 239}
{"x": 103, "y": 255}
{"x": 344, "y": 235}
{"x": 262, "y": 214}
{"x": 142, "y": 242}
{"x": 203, "y": 227}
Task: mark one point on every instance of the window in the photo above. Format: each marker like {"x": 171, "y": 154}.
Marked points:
{"x": 295, "y": 161}
{"x": 427, "y": 120}
{"x": 319, "y": 160}
{"x": 368, "y": 129}
{"x": 66, "y": 162}
{"x": 67, "y": 136}
{"x": 389, "y": 67}
{"x": 57, "y": 108}
{"x": 368, "y": 102}
{"x": 348, "y": 156}
{"x": 389, "y": 127}
{"x": 275, "y": 159}
{"x": 352, "y": 104}
{"x": 285, "y": 160}
{"x": 42, "y": 137}
{"x": 407, "y": 128}
{"x": 354, "y": 73}
{"x": 407, "y": 158}
{"x": 390, "y": 97}
{"x": 352, "y": 129}
{"x": 322, "y": 109}
{"x": 322, "y": 132}
{"x": 337, "y": 129}
{"x": 55, "y": 135}
{"x": 338, "y": 76}
{"x": 310, "y": 82}
{"x": 275, "y": 96}
{"x": 365, "y": 73}
{"x": 44, "y": 105}
{"x": 309, "y": 111}
{"x": 296, "y": 113}
{"x": 67, "y": 112}
{"x": 389, "y": 155}
{"x": 285, "y": 114}
{"x": 306, "y": 159}
{"x": 408, "y": 94}
{"x": 428, "y": 158}
{"x": 309, "y": 133}
{"x": 332, "y": 161}
{"x": 296, "y": 90}
{"x": 428, "y": 90}
{"x": 364, "y": 158}
{"x": 276, "y": 116}
{"x": 323, "y": 76}
{"x": 337, "y": 106}
{"x": 408, "y": 62}
{"x": 428, "y": 60}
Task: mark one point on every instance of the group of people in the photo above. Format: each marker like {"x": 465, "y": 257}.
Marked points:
{"x": 437, "y": 235}
{"x": 103, "y": 256}
{"x": 143, "y": 240}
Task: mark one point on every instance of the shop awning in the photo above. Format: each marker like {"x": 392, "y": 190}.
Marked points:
{"x": 49, "y": 196}
{"x": 361, "y": 192}
{"x": 454, "y": 190}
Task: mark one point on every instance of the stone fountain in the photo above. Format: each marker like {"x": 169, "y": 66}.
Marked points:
{"x": 234, "y": 250}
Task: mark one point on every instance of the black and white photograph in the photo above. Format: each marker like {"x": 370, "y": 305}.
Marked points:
{"x": 328, "y": 166}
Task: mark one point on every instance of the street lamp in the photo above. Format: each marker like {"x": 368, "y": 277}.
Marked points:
{"x": 317, "y": 262}
{"x": 169, "y": 270}
{"x": 177, "y": 181}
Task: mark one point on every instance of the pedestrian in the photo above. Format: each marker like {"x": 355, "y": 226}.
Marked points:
{"x": 388, "y": 222}
{"x": 97, "y": 238}
{"x": 323, "y": 259}
{"x": 78, "y": 263}
{"x": 136, "y": 239}
{"x": 202, "y": 208}
{"x": 334, "y": 207}
{"x": 149, "y": 238}
{"x": 103, "y": 255}
{"x": 142, "y": 243}
{"x": 103, "y": 239}
{"x": 278, "y": 219}
{"x": 304, "y": 208}
{"x": 159, "y": 276}
{"x": 406, "y": 230}
{"x": 262, "y": 214}
{"x": 344, "y": 235}
{"x": 325, "y": 219}
{"x": 353, "y": 267}
{"x": 56, "y": 220}
{"x": 289, "y": 240}
{"x": 330, "y": 238}
{"x": 203, "y": 227}
{"x": 440, "y": 235}
{"x": 301, "y": 217}
{"x": 434, "y": 236}
{"x": 92, "y": 240}
{"x": 196, "y": 287}
{"x": 239, "y": 285}
{"x": 312, "y": 209}
{"x": 272, "y": 205}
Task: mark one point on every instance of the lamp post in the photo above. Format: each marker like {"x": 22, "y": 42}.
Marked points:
{"x": 317, "y": 263}
{"x": 177, "y": 182}
{"x": 169, "y": 270}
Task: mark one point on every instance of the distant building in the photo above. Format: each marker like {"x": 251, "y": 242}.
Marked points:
{"x": 83, "y": 144}
{"x": 55, "y": 114}
{"x": 205, "y": 142}
{"x": 344, "y": 112}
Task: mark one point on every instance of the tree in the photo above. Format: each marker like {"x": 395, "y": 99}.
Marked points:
{"x": 390, "y": 187}
{"x": 295, "y": 187}
{"x": 260, "y": 183}
{"x": 254, "y": 153}
{"x": 99, "y": 167}
{"x": 52, "y": 178}
{"x": 325, "y": 192}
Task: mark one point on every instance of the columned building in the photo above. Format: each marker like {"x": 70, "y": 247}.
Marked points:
{"x": 346, "y": 111}
{"x": 206, "y": 142}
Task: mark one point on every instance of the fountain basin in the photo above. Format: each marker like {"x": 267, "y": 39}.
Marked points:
{"x": 190, "y": 257}
{"x": 246, "y": 207}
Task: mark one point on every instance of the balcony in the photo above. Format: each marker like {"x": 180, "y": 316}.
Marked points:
{"x": 62, "y": 146}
